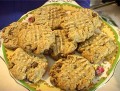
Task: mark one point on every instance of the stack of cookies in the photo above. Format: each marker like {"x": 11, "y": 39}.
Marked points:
{"x": 58, "y": 32}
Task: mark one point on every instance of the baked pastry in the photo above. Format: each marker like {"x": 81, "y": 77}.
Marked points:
{"x": 48, "y": 15}
{"x": 80, "y": 24}
{"x": 36, "y": 38}
{"x": 86, "y": 43}
{"x": 10, "y": 34}
{"x": 98, "y": 48}
{"x": 73, "y": 73}
{"x": 27, "y": 66}
{"x": 62, "y": 46}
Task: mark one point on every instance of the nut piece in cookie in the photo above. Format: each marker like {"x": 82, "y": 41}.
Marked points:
{"x": 62, "y": 46}
{"x": 73, "y": 73}
{"x": 80, "y": 24}
{"x": 10, "y": 34}
{"x": 97, "y": 48}
{"x": 27, "y": 66}
{"x": 36, "y": 38}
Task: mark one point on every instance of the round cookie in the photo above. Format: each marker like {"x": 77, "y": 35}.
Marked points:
{"x": 73, "y": 73}
{"x": 80, "y": 24}
{"x": 24, "y": 66}
{"x": 50, "y": 15}
{"x": 97, "y": 47}
{"x": 10, "y": 34}
{"x": 36, "y": 38}
{"x": 62, "y": 46}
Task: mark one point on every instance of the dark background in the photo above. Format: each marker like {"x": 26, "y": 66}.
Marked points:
{"x": 12, "y": 10}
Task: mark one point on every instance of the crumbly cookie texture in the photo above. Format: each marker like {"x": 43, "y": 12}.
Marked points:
{"x": 80, "y": 24}
{"x": 62, "y": 46}
{"x": 50, "y": 15}
{"x": 73, "y": 73}
{"x": 97, "y": 48}
{"x": 27, "y": 66}
{"x": 36, "y": 38}
{"x": 10, "y": 34}
{"x": 83, "y": 45}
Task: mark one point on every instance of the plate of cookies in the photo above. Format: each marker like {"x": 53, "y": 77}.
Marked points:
{"x": 61, "y": 47}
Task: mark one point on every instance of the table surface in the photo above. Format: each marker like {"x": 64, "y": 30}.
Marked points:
{"x": 7, "y": 83}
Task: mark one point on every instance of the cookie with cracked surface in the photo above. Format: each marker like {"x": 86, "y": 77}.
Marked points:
{"x": 48, "y": 15}
{"x": 80, "y": 24}
{"x": 73, "y": 73}
{"x": 98, "y": 48}
{"x": 83, "y": 45}
{"x": 27, "y": 66}
{"x": 36, "y": 38}
{"x": 10, "y": 34}
{"x": 62, "y": 46}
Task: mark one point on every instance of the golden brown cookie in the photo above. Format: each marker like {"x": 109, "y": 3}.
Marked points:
{"x": 27, "y": 66}
{"x": 97, "y": 48}
{"x": 88, "y": 42}
{"x": 36, "y": 38}
{"x": 80, "y": 24}
{"x": 62, "y": 46}
{"x": 49, "y": 15}
{"x": 73, "y": 73}
{"x": 10, "y": 34}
